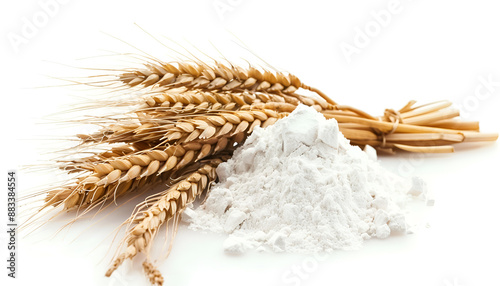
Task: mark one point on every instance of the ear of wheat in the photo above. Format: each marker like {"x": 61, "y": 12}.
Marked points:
{"x": 168, "y": 205}
{"x": 216, "y": 77}
{"x": 192, "y": 118}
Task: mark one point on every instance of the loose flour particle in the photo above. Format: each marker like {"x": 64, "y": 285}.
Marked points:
{"x": 418, "y": 186}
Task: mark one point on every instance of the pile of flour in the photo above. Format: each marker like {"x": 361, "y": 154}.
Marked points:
{"x": 299, "y": 186}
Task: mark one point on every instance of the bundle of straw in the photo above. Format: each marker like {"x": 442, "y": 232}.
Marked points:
{"x": 192, "y": 118}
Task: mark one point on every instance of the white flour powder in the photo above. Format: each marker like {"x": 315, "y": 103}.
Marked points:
{"x": 299, "y": 186}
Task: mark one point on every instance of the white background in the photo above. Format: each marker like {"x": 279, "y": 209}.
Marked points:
{"x": 427, "y": 51}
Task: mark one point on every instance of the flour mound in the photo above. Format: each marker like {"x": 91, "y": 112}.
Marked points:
{"x": 299, "y": 186}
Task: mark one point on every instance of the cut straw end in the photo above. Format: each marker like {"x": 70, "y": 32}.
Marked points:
{"x": 477, "y": 137}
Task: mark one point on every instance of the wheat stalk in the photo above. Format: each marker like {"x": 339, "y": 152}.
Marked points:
{"x": 168, "y": 206}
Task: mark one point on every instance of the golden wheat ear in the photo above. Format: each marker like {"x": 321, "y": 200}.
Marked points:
{"x": 168, "y": 205}
{"x": 214, "y": 125}
{"x": 191, "y": 101}
{"x": 217, "y": 77}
